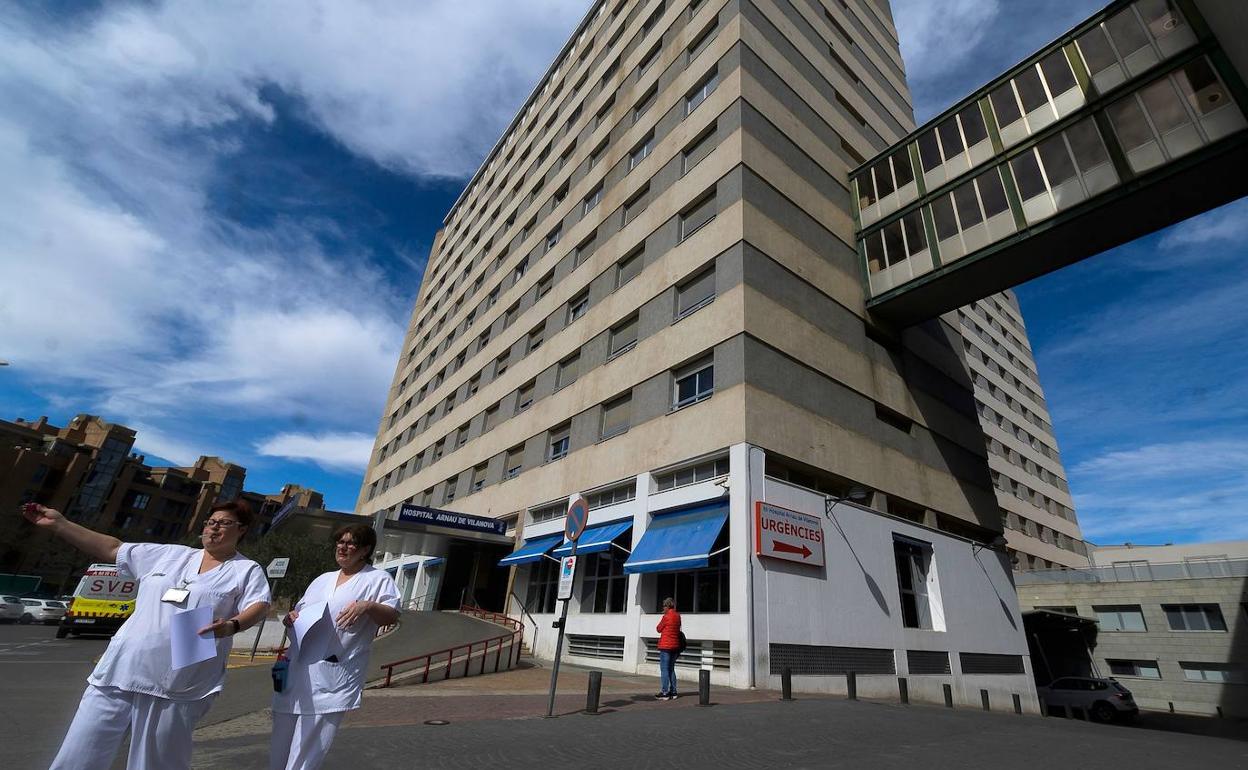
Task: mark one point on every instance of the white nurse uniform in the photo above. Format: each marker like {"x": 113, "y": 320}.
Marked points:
{"x": 319, "y": 693}
{"x": 134, "y": 686}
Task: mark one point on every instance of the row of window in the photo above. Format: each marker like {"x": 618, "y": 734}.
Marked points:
{"x": 984, "y": 385}
{"x": 1223, "y": 673}
{"x": 974, "y": 351}
{"x": 1017, "y": 523}
{"x": 1024, "y": 348}
{"x": 690, "y": 384}
{"x": 694, "y": 98}
{"x": 1179, "y": 617}
{"x": 1030, "y": 496}
{"x": 1037, "y": 96}
{"x": 992, "y": 417}
{"x": 1017, "y": 459}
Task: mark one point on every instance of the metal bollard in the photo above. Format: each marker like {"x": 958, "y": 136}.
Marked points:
{"x": 595, "y": 692}
{"x": 786, "y": 684}
{"x": 948, "y": 695}
{"x": 903, "y": 688}
{"x": 704, "y": 688}
{"x": 1018, "y": 704}
{"x": 851, "y": 685}
{"x": 983, "y": 696}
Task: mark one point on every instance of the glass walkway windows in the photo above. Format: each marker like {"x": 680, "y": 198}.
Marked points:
{"x": 1126, "y": 124}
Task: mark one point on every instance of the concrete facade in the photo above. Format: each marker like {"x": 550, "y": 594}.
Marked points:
{"x": 1173, "y": 621}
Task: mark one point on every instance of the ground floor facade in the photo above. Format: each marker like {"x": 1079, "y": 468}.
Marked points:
{"x": 839, "y": 587}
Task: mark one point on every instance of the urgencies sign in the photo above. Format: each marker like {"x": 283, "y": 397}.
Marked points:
{"x": 440, "y": 518}
{"x": 784, "y": 534}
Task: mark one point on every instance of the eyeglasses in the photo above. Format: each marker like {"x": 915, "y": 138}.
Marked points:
{"x": 220, "y": 523}
{"x": 348, "y": 544}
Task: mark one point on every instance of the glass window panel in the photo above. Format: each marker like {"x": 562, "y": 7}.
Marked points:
{"x": 916, "y": 236}
{"x": 1086, "y": 142}
{"x": 623, "y": 335}
{"x": 1058, "y": 166}
{"x": 929, "y": 150}
{"x": 1004, "y": 104}
{"x": 866, "y": 189}
{"x": 902, "y": 171}
{"x": 696, "y": 292}
{"x": 875, "y": 252}
{"x": 883, "y": 178}
{"x": 992, "y": 192}
{"x": 942, "y": 214}
{"x": 1160, "y": 16}
{"x": 968, "y": 205}
{"x": 1027, "y": 175}
{"x": 1201, "y": 87}
{"x": 1126, "y": 32}
{"x": 1096, "y": 50}
{"x": 973, "y": 125}
{"x": 1163, "y": 105}
{"x": 894, "y": 244}
{"x": 1030, "y": 90}
{"x": 1129, "y": 123}
{"x": 1057, "y": 72}
{"x": 950, "y": 139}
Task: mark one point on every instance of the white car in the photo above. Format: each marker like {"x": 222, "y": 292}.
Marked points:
{"x": 1101, "y": 699}
{"x": 42, "y": 611}
{"x": 11, "y": 608}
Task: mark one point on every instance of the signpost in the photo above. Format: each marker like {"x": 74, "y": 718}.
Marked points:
{"x": 789, "y": 535}
{"x": 573, "y": 526}
{"x": 275, "y": 572}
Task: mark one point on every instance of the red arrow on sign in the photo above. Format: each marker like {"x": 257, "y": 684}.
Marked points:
{"x": 784, "y": 547}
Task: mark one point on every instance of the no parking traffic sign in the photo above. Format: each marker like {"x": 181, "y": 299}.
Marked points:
{"x": 578, "y": 516}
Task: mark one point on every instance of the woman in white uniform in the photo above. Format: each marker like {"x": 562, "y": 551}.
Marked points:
{"x": 134, "y": 686}
{"x": 318, "y": 693}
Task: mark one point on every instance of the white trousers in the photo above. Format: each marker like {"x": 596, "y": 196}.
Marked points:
{"x": 160, "y": 731}
{"x": 301, "y": 741}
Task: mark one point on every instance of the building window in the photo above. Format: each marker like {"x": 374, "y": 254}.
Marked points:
{"x": 1120, "y": 617}
{"x": 693, "y": 383}
{"x": 509, "y": 315}
{"x": 616, "y": 415}
{"x": 1140, "y": 669}
{"x": 577, "y": 306}
{"x": 535, "y": 338}
{"x": 438, "y": 448}
{"x": 548, "y": 513}
{"x": 1194, "y": 617}
{"x": 449, "y": 494}
{"x": 630, "y": 266}
{"x": 700, "y": 43}
{"x": 543, "y": 587}
{"x": 478, "y": 478}
{"x": 641, "y": 151}
{"x": 597, "y": 153}
{"x": 649, "y": 58}
{"x": 1212, "y": 672}
{"x": 697, "y": 215}
{"x": 623, "y": 337}
{"x": 544, "y": 286}
{"x": 461, "y": 436}
{"x": 592, "y": 200}
{"x": 697, "y": 591}
{"x": 558, "y": 443}
{"x": 524, "y": 396}
{"x": 138, "y": 500}
{"x": 619, "y": 494}
{"x": 586, "y": 248}
{"x": 500, "y": 364}
{"x": 701, "y": 92}
{"x": 552, "y": 238}
{"x": 569, "y": 370}
{"x": 491, "y": 417}
{"x": 603, "y": 582}
{"x": 636, "y": 203}
{"x": 691, "y": 474}
{"x": 695, "y": 293}
{"x": 514, "y": 462}
{"x": 645, "y": 103}
{"x": 916, "y": 582}
{"x": 521, "y": 269}
{"x": 698, "y": 149}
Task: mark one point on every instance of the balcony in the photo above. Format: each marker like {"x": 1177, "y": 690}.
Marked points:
{"x": 1138, "y": 571}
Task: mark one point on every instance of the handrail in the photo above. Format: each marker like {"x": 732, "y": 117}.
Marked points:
{"x": 525, "y": 611}
{"x": 515, "y": 638}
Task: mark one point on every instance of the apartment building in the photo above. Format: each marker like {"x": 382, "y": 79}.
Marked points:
{"x": 649, "y": 295}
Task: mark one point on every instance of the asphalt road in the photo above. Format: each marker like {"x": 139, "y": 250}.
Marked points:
{"x": 41, "y": 680}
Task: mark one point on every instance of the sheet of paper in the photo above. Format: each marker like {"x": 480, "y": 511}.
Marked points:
{"x": 313, "y": 632}
{"x": 186, "y": 646}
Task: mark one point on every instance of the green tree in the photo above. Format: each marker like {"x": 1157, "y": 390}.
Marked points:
{"x": 309, "y": 557}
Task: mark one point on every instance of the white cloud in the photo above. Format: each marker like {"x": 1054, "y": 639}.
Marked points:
{"x": 332, "y": 451}
{"x": 1183, "y": 458}
{"x": 938, "y": 37}
{"x": 1225, "y": 225}
{"x": 155, "y": 442}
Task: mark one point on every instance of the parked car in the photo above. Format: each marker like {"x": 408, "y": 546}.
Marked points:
{"x": 42, "y": 611}
{"x": 1101, "y": 699}
{"x": 11, "y": 608}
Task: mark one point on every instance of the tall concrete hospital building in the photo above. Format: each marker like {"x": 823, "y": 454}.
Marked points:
{"x": 650, "y": 294}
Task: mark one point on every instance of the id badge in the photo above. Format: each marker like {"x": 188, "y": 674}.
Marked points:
{"x": 175, "y": 595}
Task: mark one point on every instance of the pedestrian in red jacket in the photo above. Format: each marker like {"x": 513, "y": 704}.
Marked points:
{"x": 669, "y": 648}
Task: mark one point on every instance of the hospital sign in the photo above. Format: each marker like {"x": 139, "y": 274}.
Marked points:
{"x": 784, "y": 534}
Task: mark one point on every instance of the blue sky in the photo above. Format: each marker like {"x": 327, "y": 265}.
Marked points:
{"x": 223, "y": 211}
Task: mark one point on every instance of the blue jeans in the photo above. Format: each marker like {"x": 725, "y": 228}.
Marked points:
{"x": 667, "y": 671}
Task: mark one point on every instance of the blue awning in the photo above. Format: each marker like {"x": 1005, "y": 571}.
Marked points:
{"x": 534, "y": 549}
{"x": 680, "y": 540}
{"x": 596, "y": 539}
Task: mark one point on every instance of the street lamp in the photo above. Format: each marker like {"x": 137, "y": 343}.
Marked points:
{"x": 856, "y": 494}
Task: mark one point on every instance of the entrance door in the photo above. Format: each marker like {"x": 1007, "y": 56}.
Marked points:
{"x": 472, "y": 575}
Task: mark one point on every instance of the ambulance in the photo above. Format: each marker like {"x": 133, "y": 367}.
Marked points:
{"x": 102, "y": 602}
